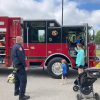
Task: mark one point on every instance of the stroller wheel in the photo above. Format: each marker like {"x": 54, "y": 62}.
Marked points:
{"x": 79, "y": 97}
{"x": 97, "y": 96}
{"x": 75, "y": 88}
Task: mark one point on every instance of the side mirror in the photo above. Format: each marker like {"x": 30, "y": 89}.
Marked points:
{"x": 91, "y": 35}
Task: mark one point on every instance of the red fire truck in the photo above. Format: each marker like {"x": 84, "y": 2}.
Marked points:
{"x": 46, "y": 42}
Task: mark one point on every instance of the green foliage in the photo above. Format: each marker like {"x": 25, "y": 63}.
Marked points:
{"x": 97, "y": 37}
{"x": 97, "y": 52}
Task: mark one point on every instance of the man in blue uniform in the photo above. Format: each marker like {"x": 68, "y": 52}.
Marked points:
{"x": 78, "y": 40}
{"x": 18, "y": 58}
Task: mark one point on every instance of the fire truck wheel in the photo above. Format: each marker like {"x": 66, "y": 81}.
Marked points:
{"x": 54, "y": 67}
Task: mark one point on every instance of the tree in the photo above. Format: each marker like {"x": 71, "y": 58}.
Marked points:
{"x": 97, "y": 37}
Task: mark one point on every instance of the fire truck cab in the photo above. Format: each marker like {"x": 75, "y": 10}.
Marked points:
{"x": 47, "y": 42}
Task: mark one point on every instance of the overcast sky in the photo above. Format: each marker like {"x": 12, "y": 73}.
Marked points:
{"x": 75, "y": 11}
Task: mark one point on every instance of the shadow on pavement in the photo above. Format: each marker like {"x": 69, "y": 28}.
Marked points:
{"x": 37, "y": 72}
{"x": 5, "y": 71}
{"x": 72, "y": 73}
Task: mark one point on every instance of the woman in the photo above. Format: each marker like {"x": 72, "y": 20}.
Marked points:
{"x": 80, "y": 62}
{"x": 80, "y": 59}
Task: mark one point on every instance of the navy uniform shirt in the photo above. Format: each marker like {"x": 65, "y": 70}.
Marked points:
{"x": 18, "y": 55}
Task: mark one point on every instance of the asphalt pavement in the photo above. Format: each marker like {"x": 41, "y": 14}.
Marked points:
{"x": 42, "y": 87}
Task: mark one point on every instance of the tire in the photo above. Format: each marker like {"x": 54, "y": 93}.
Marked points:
{"x": 54, "y": 67}
{"x": 97, "y": 97}
{"x": 75, "y": 88}
{"x": 79, "y": 97}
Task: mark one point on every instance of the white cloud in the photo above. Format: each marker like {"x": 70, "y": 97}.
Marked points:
{"x": 95, "y": 17}
{"x": 49, "y": 9}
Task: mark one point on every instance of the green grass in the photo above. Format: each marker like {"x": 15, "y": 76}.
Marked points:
{"x": 97, "y": 52}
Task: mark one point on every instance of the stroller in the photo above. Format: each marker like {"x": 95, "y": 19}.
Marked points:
{"x": 84, "y": 83}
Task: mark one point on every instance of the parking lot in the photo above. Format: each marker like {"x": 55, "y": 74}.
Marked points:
{"x": 42, "y": 87}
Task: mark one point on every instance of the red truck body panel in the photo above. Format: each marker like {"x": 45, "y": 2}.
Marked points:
{"x": 35, "y": 52}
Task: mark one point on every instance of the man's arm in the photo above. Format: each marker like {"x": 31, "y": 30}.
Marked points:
{"x": 21, "y": 56}
{"x": 76, "y": 49}
{"x": 14, "y": 56}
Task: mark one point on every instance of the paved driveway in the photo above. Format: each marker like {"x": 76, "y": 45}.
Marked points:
{"x": 42, "y": 87}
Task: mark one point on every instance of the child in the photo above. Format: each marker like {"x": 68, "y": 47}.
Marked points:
{"x": 64, "y": 69}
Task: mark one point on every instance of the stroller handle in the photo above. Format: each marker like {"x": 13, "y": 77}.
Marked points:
{"x": 95, "y": 72}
